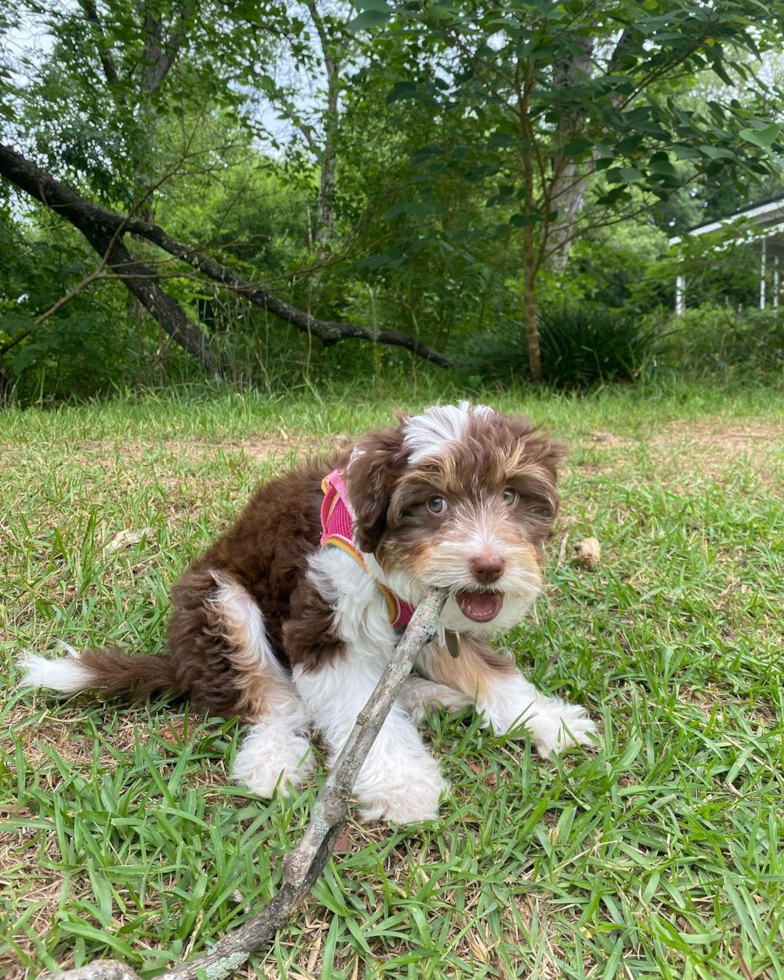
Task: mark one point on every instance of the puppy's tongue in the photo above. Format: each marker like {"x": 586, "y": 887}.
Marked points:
{"x": 479, "y": 606}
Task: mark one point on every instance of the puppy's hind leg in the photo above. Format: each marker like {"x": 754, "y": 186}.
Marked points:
{"x": 220, "y": 634}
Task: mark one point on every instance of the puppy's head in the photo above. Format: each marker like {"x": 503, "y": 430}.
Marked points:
{"x": 462, "y": 498}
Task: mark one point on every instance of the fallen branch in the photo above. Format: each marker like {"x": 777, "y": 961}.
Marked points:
{"x": 105, "y": 230}
{"x": 328, "y": 331}
{"x": 304, "y": 864}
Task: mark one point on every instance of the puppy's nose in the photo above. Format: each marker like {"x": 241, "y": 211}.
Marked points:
{"x": 487, "y": 568}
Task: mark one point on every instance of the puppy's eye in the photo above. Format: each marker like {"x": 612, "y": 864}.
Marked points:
{"x": 437, "y": 505}
{"x": 510, "y": 497}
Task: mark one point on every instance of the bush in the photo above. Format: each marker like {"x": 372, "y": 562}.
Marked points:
{"x": 581, "y": 345}
{"x": 717, "y": 340}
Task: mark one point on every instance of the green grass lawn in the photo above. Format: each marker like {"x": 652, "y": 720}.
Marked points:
{"x": 660, "y": 853}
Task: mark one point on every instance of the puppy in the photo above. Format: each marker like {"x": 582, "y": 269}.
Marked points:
{"x": 289, "y": 618}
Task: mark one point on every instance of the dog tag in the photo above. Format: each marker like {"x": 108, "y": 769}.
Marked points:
{"x": 453, "y": 643}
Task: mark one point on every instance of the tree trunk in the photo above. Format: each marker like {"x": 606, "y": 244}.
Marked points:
{"x": 332, "y": 52}
{"x": 325, "y": 215}
{"x": 529, "y": 299}
{"x": 571, "y": 190}
{"x": 5, "y": 383}
{"x": 530, "y": 270}
{"x": 568, "y": 186}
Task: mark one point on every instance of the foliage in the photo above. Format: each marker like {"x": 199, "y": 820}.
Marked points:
{"x": 582, "y": 345}
{"x": 569, "y": 114}
{"x": 442, "y": 184}
{"x": 716, "y": 341}
{"x": 620, "y": 267}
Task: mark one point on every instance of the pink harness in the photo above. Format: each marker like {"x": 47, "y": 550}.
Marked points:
{"x": 337, "y": 530}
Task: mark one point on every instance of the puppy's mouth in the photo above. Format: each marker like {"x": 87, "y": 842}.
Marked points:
{"x": 481, "y": 607}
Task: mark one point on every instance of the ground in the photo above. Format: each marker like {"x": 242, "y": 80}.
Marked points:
{"x": 659, "y": 853}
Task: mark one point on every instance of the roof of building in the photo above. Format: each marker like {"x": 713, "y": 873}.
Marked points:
{"x": 757, "y": 221}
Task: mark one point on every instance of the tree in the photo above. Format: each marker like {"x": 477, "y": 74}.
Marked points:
{"x": 119, "y": 106}
{"x": 575, "y": 114}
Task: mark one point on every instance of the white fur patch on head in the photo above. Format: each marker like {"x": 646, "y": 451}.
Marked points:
{"x": 430, "y": 433}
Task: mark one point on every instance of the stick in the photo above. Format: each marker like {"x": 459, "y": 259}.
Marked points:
{"x": 304, "y": 864}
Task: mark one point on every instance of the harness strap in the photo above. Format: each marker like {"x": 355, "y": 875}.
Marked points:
{"x": 337, "y": 531}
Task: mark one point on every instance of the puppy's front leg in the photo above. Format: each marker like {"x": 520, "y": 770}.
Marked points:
{"x": 506, "y": 698}
{"x": 400, "y": 781}
{"x": 339, "y": 640}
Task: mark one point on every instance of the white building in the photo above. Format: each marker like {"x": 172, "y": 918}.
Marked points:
{"x": 759, "y": 227}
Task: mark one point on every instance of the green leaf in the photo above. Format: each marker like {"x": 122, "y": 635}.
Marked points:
{"x": 683, "y": 152}
{"x": 576, "y": 146}
{"x": 764, "y": 138}
{"x": 369, "y": 19}
{"x": 380, "y": 5}
{"x": 717, "y": 153}
{"x": 402, "y": 90}
{"x": 521, "y": 220}
{"x": 625, "y": 175}
{"x": 499, "y": 139}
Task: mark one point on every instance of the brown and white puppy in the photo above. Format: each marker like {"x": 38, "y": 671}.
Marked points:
{"x": 271, "y": 627}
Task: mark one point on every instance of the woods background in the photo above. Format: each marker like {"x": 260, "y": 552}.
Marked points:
{"x": 253, "y": 191}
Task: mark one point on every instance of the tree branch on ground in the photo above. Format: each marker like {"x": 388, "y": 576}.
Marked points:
{"x": 303, "y": 865}
{"x": 99, "y": 226}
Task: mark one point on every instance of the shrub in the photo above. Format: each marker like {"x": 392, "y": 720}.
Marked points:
{"x": 581, "y": 345}
{"x": 718, "y": 340}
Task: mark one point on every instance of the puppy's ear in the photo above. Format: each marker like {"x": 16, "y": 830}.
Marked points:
{"x": 538, "y": 448}
{"x": 539, "y": 460}
{"x": 376, "y": 463}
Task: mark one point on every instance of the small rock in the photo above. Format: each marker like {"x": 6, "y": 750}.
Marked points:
{"x": 589, "y": 552}
{"x": 125, "y": 538}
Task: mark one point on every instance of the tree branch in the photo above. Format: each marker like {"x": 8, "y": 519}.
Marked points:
{"x": 98, "y": 225}
{"x": 328, "y": 331}
{"x": 304, "y": 864}
{"x": 104, "y": 52}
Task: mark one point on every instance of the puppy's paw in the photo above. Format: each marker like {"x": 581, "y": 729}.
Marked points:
{"x": 420, "y": 696}
{"x": 558, "y": 726}
{"x": 406, "y": 800}
{"x": 267, "y": 761}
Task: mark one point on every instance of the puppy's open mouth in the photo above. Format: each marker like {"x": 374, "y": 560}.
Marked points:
{"x": 479, "y": 606}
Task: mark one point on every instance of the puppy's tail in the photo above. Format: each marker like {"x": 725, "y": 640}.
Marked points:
{"x": 109, "y": 670}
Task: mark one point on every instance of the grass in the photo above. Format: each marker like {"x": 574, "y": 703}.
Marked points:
{"x": 661, "y": 853}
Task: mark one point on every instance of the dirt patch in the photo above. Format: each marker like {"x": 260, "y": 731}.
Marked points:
{"x": 683, "y": 455}
{"x": 731, "y": 438}
{"x": 59, "y": 734}
{"x": 265, "y": 446}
